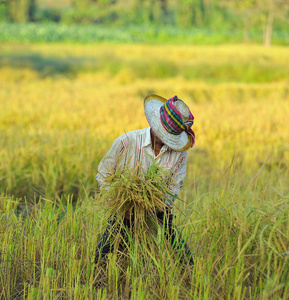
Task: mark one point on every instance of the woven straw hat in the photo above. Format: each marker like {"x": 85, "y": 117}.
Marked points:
{"x": 152, "y": 105}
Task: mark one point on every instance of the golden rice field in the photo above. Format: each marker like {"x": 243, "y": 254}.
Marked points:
{"x": 61, "y": 107}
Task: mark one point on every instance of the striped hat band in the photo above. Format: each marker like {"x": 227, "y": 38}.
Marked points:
{"x": 176, "y": 117}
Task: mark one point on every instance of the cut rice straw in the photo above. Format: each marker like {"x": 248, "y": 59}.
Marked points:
{"x": 138, "y": 193}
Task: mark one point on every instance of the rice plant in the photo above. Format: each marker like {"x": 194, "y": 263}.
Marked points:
{"x": 56, "y": 127}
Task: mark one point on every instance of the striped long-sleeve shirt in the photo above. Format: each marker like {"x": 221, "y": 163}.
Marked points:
{"x": 134, "y": 148}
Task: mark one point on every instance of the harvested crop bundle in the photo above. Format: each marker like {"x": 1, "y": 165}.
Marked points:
{"x": 137, "y": 193}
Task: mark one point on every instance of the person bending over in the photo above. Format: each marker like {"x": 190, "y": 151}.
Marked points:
{"x": 166, "y": 141}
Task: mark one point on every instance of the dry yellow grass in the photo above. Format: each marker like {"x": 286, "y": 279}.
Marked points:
{"x": 76, "y": 116}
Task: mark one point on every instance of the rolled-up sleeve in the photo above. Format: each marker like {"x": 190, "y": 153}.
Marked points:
{"x": 107, "y": 165}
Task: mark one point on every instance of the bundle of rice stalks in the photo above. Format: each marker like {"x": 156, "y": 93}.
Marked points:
{"x": 143, "y": 196}
{"x": 136, "y": 193}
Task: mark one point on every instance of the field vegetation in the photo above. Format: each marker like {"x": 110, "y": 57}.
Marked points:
{"x": 61, "y": 107}
{"x": 133, "y": 33}
{"x": 73, "y": 33}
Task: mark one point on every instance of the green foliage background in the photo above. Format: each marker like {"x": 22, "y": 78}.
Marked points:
{"x": 186, "y": 21}
{"x": 212, "y": 14}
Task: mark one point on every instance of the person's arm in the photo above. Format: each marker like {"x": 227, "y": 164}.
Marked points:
{"x": 108, "y": 164}
{"x": 177, "y": 180}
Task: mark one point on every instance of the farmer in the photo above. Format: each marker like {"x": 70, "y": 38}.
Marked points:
{"x": 166, "y": 141}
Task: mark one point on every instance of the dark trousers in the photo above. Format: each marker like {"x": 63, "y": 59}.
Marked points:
{"x": 106, "y": 245}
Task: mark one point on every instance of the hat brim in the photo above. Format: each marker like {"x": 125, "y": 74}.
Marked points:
{"x": 152, "y": 105}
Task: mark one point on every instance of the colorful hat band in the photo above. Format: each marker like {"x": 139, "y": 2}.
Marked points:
{"x": 171, "y": 119}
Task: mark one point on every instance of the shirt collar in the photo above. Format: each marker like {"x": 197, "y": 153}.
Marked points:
{"x": 147, "y": 139}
